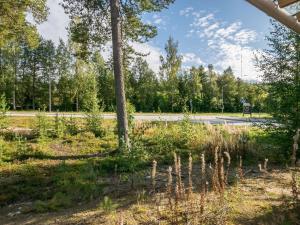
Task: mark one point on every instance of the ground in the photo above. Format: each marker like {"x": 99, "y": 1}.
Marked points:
{"x": 68, "y": 177}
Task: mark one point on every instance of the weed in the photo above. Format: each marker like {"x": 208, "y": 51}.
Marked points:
{"x": 107, "y": 204}
{"x": 60, "y": 126}
{"x": 94, "y": 123}
{"x": 72, "y": 126}
{"x": 43, "y": 126}
{"x": 3, "y": 110}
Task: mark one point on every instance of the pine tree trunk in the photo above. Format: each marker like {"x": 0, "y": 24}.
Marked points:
{"x": 50, "y": 93}
{"x": 33, "y": 88}
{"x": 15, "y": 83}
{"x": 77, "y": 102}
{"x": 118, "y": 73}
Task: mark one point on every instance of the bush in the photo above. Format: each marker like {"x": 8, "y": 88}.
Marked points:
{"x": 94, "y": 123}
{"x": 72, "y": 127}
{"x": 107, "y": 204}
{"x": 4, "y": 150}
{"x": 60, "y": 126}
{"x": 3, "y": 110}
{"x": 43, "y": 125}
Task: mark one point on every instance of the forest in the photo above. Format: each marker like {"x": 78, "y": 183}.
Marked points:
{"x": 56, "y": 78}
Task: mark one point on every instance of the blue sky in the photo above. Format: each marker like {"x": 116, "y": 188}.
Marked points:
{"x": 220, "y": 32}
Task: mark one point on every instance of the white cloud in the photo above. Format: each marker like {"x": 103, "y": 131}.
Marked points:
{"x": 55, "y": 27}
{"x": 186, "y": 11}
{"x": 240, "y": 59}
{"x": 202, "y": 21}
{"x": 245, "y": 36}
{"x": 191, "y": 58}
{"x": 227, "y": 41}
{"x": 225, "y": 32}
{"x": 153, "y": 57}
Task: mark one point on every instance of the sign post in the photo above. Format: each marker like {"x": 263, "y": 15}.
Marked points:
{"x": 247, "y": 109}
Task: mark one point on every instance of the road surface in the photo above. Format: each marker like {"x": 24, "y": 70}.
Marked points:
{"x": 231, "y": 120}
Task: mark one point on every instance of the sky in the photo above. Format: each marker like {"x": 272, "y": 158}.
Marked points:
{"x": 219, "y": 32}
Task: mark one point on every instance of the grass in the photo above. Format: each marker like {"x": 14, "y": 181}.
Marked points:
{"x": 80, "y": 178}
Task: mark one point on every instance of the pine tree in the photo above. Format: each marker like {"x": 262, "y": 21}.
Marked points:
{"x": 120, "y": 21}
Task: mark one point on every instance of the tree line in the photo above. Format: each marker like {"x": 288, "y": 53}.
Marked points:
{"x": 34, "y": 73}
{"x": 55, "y": 78}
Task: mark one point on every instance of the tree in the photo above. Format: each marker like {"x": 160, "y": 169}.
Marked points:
{"x": 98, "y": 21}
{"x": 48, "y": 63}
{"x": 228, "y": 86}
{"x": 65, "y": 72}
{"x": 280, "y": 65}
{"x": 210, "y": 90}
{"x": 170, "y": 67}
{"x": 20, "y": 28}
{"x": 105, "y": 80}
{"x": 144, "y": 86}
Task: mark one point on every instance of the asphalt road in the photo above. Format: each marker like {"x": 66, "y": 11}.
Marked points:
{"x": 231, "y": 120}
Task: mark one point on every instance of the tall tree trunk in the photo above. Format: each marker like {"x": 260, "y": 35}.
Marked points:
{"x": 118, "y": 73}
{"x": 15, "y": 84}
{"x": 77, "y": 102}
{"x": 33, "y": 86}
{"x": 50, "y": 93}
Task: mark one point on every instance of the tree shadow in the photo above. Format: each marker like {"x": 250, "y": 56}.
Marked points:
{"x": 283, "y": 214}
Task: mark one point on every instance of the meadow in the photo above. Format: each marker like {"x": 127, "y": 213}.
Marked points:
{"x": 69, "y": 171}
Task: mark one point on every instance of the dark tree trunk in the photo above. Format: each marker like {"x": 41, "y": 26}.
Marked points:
{"x": 118, "y": 73}
{"x": 33, "y": 86}
{"x": 15, "y": 81}
{"x": 50, "y": 93}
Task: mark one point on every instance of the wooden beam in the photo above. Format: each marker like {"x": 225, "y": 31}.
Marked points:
{"x": 284, "y": 3}
{"x": 298, "y": 16}
{"x": 271, "y": 9}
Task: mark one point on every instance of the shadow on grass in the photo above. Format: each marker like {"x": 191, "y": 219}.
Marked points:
{"x": 284, "y": 214}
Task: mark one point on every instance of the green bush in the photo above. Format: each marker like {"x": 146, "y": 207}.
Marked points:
{"x": 43, "y": 125}
{"x": 3, "y": 110}
{"x": 72, "y": 127}
{"x": 107, "y": 204}
{"x": 94, "y": 123}
{"x": 4, "y": 150}
{"x": 60, "y": 126}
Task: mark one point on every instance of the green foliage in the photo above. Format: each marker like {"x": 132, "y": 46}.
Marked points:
{"x": 76, "y": 84}
{"x": 87, "y": 31}
{"x": 281, "y": 71}
{"x": 72, "y": 126}
{"x": 4, "y": 150}
{"x": 60, "y": 126}
{"x": 169, "y": 72}
{"x": 22, "y": 149}
{"x": 94, "y": 123}
{"x": 130, "y": 114}
{"x": 43, "y": 125}
{"x": 107, "y": 204}
{"x": 21, "y": 29}
{"x": 3, "y": 110}
{"x": 58, "y": 201}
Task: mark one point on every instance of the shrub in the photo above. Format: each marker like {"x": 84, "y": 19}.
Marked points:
{"x": 43, "y": 125}
{"x": 107, "y": 204}
{"x": 72, "y": 127}
{"x": 130, "y": 114}
{"x": 60, "y": 126}
{"x": 94, "y": 123}
{"x": 4, "y": 150}
{"x": 3, "y": 110}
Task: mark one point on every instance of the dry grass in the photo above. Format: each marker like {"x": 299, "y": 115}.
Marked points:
{"x": 199, "y": 175}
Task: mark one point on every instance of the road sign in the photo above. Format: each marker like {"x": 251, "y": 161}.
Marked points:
{"x": 247, "y": 109}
